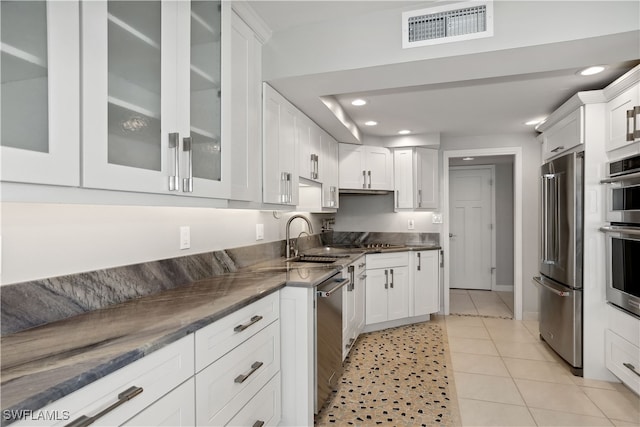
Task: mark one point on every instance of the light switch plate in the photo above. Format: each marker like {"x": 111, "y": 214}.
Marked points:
{"x": 436, "y": 218}
{"x": 411, "y": 224}
{"x": 259, "y": 231}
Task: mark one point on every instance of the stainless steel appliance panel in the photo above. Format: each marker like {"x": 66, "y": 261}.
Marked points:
{"x": 328, "y": 337}
{"x": 623, "y": 267}
{"x": 561, "y": 320}
{"x": 562, "y": 218}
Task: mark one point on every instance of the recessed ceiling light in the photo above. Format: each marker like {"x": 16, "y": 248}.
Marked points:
{"x": 404, "y": 132}
{"x": 370, "y": 123}
{"x": 358, "y": 102}
{"x": 534, "y": 122}
{"x": 592, "y": 70}
{"x": 468, "y": 158}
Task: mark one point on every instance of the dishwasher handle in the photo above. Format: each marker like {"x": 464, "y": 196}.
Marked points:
{"x": 340, "y": 283}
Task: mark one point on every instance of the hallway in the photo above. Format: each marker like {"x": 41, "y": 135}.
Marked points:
{"x": 481, "y": 303}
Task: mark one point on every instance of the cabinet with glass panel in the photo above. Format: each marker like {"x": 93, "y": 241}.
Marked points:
{"x": 151, "y": 97}
{"x": 40, "y": 108}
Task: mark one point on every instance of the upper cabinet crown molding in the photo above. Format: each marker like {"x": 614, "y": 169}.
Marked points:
{"x": 253, "y": 20}
{"x": 622, "y": 84}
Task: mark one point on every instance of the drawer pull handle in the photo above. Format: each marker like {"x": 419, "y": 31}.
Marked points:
{"x": 242, "y": 378}
{"x": 555, "y": 150}
{"x": 632, "y": 368}
{"x": 258, "y": 423}
{"x": 253, "y": 320}
{"x": 123, "y": 397}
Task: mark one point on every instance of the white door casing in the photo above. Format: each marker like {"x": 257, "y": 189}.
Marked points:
{"x": 471, "y": 230}
{"x": 517, "y": 226}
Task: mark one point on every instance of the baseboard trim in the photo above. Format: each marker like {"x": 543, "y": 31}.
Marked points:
{"x": 502, "y": 288}
{"x": 395, "y": 323}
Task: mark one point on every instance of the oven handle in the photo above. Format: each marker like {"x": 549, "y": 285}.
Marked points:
{"x": 618, "y": 229}
{"x": 620, "y": 178}
{"x": 539, "y": 281}
{"x": 341, "y": 283}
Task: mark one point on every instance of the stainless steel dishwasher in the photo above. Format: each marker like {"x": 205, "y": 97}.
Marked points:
{"x": 328, "y": 303}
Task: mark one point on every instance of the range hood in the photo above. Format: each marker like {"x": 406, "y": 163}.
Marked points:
{"x": 364, "y": 191}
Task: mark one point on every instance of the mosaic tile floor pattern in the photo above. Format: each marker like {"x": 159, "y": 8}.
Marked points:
{"x": 395, "y": 377}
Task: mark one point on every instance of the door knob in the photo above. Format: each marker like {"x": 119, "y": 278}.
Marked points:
{"x": 451, "y": 235}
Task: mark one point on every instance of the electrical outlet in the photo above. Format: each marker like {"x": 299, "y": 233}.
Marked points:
{"x": 185, "y": 237}
{"x": 259, "y": 231}
{"x": 436, "y": 218}
{"x": 411, "y": 224}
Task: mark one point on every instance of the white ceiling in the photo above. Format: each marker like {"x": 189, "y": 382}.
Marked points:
{"x": 457, "y": 107}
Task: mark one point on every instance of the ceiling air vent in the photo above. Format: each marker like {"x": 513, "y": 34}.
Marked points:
{"x": 444, "y": 24}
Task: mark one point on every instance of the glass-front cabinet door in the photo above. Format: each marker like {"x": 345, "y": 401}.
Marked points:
{"x": 151, "y": 97}
{"x": 40, "y": 94}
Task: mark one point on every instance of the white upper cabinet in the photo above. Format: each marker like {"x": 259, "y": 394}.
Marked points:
{"x": 623, "y": 119}
{"x": 564, "y": 135}
{"x": 365, "y": 167}
{"x": 151, "y": 97}
{"x": 416, "y": 178}
{"x": 40, "y": 95}
{"x": 310, "y": 149}
{"x": 329, "y": 172}
{"x": 280, "y": 159}
{"x": 428, "y": 180}
{"x": 245, "y": 116}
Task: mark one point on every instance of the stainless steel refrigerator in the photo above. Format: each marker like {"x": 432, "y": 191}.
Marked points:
{"x": 561, "y": 257}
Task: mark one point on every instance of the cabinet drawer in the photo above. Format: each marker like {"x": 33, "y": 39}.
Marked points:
{"x": 220, "y": 389}
{"x": 176, "y": 409}
{"x": 264, "y": 409}
{"x": 157, "y": 374}
{"x": 220, "y": 337}
{"x": 390, "y": 259}
{"x": 623, "y": 359}
{"x": 624, "y": 325}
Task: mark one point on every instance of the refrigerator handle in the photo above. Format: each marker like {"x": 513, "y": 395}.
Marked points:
{"x": 546, "y": 258}
{"x": 556, "y": 218}
{"x": 558, "y": 292}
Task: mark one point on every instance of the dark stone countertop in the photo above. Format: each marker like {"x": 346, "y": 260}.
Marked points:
{"x": 46, "y": 363}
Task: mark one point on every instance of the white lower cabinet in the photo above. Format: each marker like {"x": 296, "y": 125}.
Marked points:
{"x": 236, "y": 357}
{"x": 425, "y": 295}
{"x": 353, "y": 305}
{"x": 263, "y": 409}
{"x": 622, "y": 347}
{"x": 387, "y": 290}
{"x": 227, "y": 385}
{"x": 176, "y": 409}
{"x": 147, "y": 380}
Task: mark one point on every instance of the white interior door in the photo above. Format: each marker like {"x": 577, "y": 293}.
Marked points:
{"x": 470, "y": 230}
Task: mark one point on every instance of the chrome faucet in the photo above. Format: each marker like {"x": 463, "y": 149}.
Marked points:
{"x": 288, "y": 231}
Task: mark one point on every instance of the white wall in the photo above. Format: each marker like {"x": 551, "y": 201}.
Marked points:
{"x": 47, "y": 240}
{"x": 504, "y": 224}
{"x": 531, "y": 161}
{"x": 375, "y": 213}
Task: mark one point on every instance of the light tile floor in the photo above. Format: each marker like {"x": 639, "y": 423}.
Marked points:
{"x": 505, "y": 376}
{"x": 482, "y": 303}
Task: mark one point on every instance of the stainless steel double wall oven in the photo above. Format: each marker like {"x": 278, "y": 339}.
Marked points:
{"x": 623, "y": 234}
